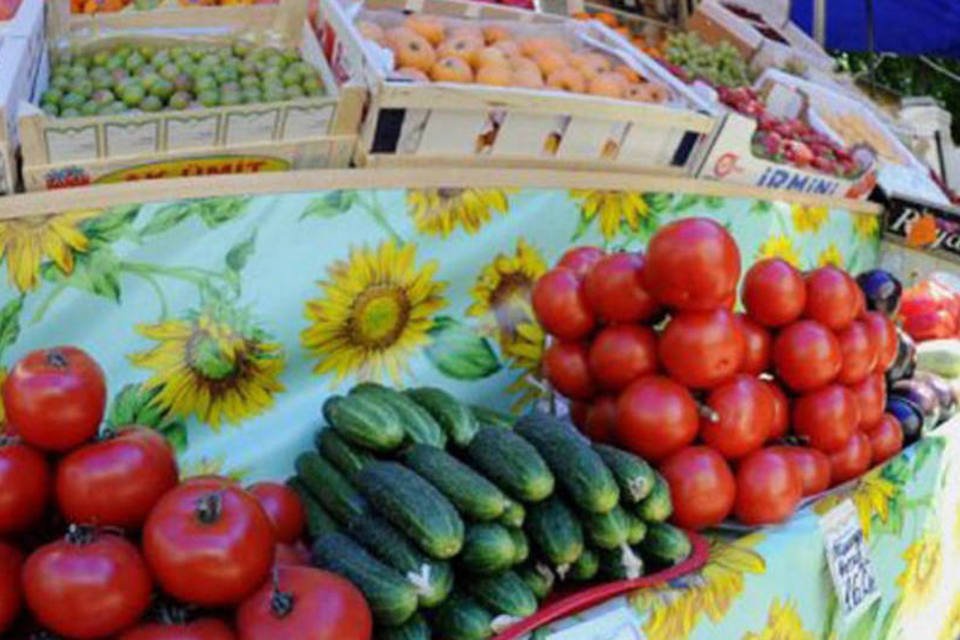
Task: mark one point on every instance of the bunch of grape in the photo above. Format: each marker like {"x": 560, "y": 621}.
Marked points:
{"x": 721, "y": 66}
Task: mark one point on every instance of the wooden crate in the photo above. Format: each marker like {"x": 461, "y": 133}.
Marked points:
{"x": 100, "y": 145}
{"x": 416, "y": 124}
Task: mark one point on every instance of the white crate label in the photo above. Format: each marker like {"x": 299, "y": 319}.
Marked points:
{"x": 308, "y": 121}
{"x": 192, "y": 132}
{"x": 131, "y": 139}
{"x": 848, "y": 559}
{"x": 72, "y": 143}
{"x": 618, "y": 624}
{"x": 251, "y": 126}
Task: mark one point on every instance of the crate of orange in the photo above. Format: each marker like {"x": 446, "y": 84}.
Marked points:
{"x": 473, "y": 84}
{"x": 646, "y": 34}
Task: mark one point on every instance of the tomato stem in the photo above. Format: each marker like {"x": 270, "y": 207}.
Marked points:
{"x": 707, "y": 413}
{"x": 209, "y": 508}
{"x": 281, "y": 602}
{"x": 56, "y": 358}
{"x": 81, "y": 534}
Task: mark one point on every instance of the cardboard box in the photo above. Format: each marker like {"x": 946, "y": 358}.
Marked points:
{"x": 409, "y": 123}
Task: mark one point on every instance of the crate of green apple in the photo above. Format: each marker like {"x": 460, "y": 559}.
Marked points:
{"x": 100, "y": 539}
{"x": 744, "y": 414}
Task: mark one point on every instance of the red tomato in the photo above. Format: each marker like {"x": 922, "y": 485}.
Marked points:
{"x": 861, "y": 303}
{"x": 774, "y": 293}
{"x": 580, "y": 259}
{"x": 806, "y": 356}
{"x": 578, "y": 413}
{"x": 296, "y": 554}
{"x": 692, "y": 264}
{"x": 759, "y": 344}
{"x": 886, "y": 439}
{"x": 560, "y": 305}
{"x": 768, "y": 488}
{"x": 565, "y": 366}
{"x": 871, "y": 395}
{"x": 933, "y": 325}
{"x": 701, "y": 349}
{"x": 656, "y": 417}
{"x": 831, "y": 297}
{"x": 858, "y": 353}
{"x": 11, "y": 591}
{"x": 884, "y": 335}
{"x": 852, "y": 460}
{"x": 701, "y": 486}
{"x": 827, "y": 417}
{"x": 88, "y": 585}
{"x": 811, "y": 466}
{"x": 116, "y": 481}
{"x": 622, "y": 353}
{"x": 780, "y": 424}
{"x": 743, "y": 410}
{"x": 283, "y": 507}
{"x": 26, "y": 483}
{"x": 601, "y": 424}
{"x": 615, "y": 292}
{"x": 209, "y": 545}
{"x": 54, "y": 398}
{"x": 319, "y": 606}
{"x": 202, "y": 629}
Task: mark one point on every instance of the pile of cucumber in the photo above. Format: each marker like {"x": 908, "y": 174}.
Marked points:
{"x": 456, "y": 521}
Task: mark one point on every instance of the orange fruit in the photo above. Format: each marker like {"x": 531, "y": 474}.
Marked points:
{"x": 495, "y": 33}
{"x": 371, "y": 31}
{"x": 495, "y": 75}
{"x": 527, "y": 77}
{"x": 489, "y": 56}
{"x": 610, "y": 84}
{"x": 590, "y": 64}
{"x": 451, "y": 69}
{"x": 461, "y": 47}
{"x": 532, "y": 46}
{"x": 549, "y": 61}
{"x": 474, "y": 33}
{"x": 629, "y": 74}
{"x": 582, "y": 15}
{"x": 647, "y": 92}
{"x": 411, "y": 49}
{"x": 624, "y": 31}
{"x": 567, "y": 79}
{"x": 412, "y": 74}
{"x": 607, "y": 18}
{"x": 509, "y": 48}
{"x": 430, "y": 27}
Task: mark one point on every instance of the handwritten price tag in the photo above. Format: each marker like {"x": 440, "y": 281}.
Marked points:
{"x": 848, "y": 559}
{"x": 616, "y": 625}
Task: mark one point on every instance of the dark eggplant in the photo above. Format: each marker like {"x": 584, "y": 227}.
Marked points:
{"x": 948, "y": 401}
{"x": 882, "y": 291}
{"x": 910, "y": 417}
{"x": 906, "y": 361}
{"x": 921, "y": 394}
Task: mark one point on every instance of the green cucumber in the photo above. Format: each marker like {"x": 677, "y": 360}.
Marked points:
{"x": 665, "y": 544}
{"x": 418, "y": 425}
{"x": 538, "y": 577}
{"x": 455, "y": 418}
{"x": 416, "y": 628}
{"x": 487, "y": 548}
{"x": 579, "y": 470}
{"x": 331, "y": 489}
{"x": 367, "y": 424}
{"x": 608, "y": 530}
{"x": 473, "y": 495}
{"x": 555, "y": 531}
{"x": 638, "y": 530}
{"x": 513, "y": 514}
{"x": 620, "y": 564}
{"x": 487, "y": 417}
{"x": 632, "y": 473}
{"x": 432, "y": 579}
{"x": 521, "y": 546}
{"x": 586, "y": 567}
{"x": 512, "y": 463}
{"x": 348, "y": 460}
{"x": 504, "y": 594}
{"x": 391, "y": 598}
{"x": 414, "y": 506}
{"x": 462, "y": 618}
{"x": 318, "y": 520}
{"x": 657, "y": 506}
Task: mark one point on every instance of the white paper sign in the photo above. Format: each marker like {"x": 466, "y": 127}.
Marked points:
{"x": 616, "y": 625}
{"x": 849, "y": 561}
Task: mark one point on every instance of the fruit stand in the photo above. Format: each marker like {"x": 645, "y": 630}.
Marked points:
{"x": 610, "y": 330}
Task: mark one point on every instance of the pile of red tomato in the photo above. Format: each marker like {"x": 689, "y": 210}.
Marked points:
{"x": 930, "y": 310}
{"x": 93, "y": 527}
{"x": 744, "y": 413}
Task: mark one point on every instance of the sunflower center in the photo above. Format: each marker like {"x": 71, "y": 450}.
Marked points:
{"x": 509, "y": 301}
{"x": 448, "y": 193}
{"x": 379, "y": 316}
{"x": 207, "y": 357}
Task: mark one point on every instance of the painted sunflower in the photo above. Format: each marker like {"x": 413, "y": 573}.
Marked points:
{"x": 808, "y": 219}
{"x": 872, "y": 496}
{"x": 613, "y": 208}
{"x": 674, "y": 612}
{"x": 25, "y": 242}
{"x": 779, "y": 247}
{"x": 951, "y": 622}
{"x": 921, "y": 576}
{"x": 438, "y": 212}
{"x": 866, "y": 225}
{"x": 831, "y": 256}
{"x": 212, "y": 466}
{"x": 783, "y": 623}
{"x": 211, "y": 364}
{"x": 526, "y": 354}
{"x": 376, "y": 310}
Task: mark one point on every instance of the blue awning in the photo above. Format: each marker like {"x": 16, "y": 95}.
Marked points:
{"x": 929, "y": 27}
